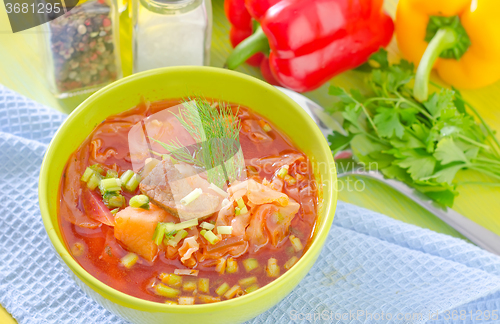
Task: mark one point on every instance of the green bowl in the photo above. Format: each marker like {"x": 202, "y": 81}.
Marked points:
{"x": 177, "y": 82}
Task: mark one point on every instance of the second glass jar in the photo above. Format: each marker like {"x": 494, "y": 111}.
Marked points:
{"x": 171, "y": 33}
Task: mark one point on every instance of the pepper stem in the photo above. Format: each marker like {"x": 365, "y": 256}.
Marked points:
{"x": 444, "y": 39}
{"x": 255, "y": 43}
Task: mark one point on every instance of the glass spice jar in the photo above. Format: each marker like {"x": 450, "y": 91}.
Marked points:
{"x": 171, "y": 33}
{"x": 82, "y": 48}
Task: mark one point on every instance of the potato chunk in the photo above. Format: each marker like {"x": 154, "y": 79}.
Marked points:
{"x": 135, "y": 228}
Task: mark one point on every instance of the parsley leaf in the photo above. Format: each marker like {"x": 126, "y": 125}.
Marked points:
{"x": 338, "y": 141}
{"x": 388, "y": 123}
{"x": 388, "y": 120}
{"x": 444, "y": 197}
{"x": 438, "y": 102}
{"x": 341, "y": 94}
{"x": 447, "y": 151}
{"x": 419, "y": 163}
{"x": 380, "y": 59}
{"x": 447, "y": 174}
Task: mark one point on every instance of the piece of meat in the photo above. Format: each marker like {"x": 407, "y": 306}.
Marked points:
{"x": 135, "y": 228}
{"x": 166, "y": 185}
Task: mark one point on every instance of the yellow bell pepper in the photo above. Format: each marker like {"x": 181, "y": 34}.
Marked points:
{"x": 459, "y": 38}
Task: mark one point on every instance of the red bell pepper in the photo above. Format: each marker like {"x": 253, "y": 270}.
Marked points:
{"x": 265, "y": 69}
{"x": 241, "y": 26}
{"x": 313, "y": 40}
{"x": 257, "y": 8}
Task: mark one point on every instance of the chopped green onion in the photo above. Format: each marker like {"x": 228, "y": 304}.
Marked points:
{"x": 241, "y": 203}
{"x": 191, "y": 196}
{"x": 189, "y": 286}
{"x": 94, "y": 181}
{"x": 164, "y": 231}
{"x": 186, "y": 300}
{"x": 126, "y": 176}
{"x": 111, "y": 174}
{"x": 202, "y": 232}
{"x": 217, "y": 190}
{"x": 231, "y": 265}
{"x": 221, "y": 266}
{"x": 206, "y": 299}
{"x": 290, "y": 180}
{"x": 247, "y": 281}
{"x": 266, "y": 128}
{"x": 159, "y": 233}
{"x": 251, "y": 170}
{"x": 114, "y": 211}
{"x": 110, "y": 185}
{"x": 290, "y": 250}
{"x": 224, "y": 230}
{"x": 252, "y": 288}
{"x": 177, "y": 238}
{"x": 273, "y": 270}
{"x": 133, "y": 183}
{"x": 187, "y": 272}
{"x": 222, "y": 289}
{"x": 170, "y": 229}
{"x": 242, "y": 211}
{"x": 129, "y": 260}
{"x": 207, "y": 226}
{"x": 114, "y": 200}
{"x": 250, "y": 264}
{"x": 139, "y": 201}
{"x": 186, "y": 224}
{"x": 232, "y": 292}
{"x": 211, "y": 237}
{"x": 170, "y": 302}
{"x": 283, "y": 171}
{"x": 290, "y": 262}
{"x": 171, "y": 279}
{"x": 296, "y": 243}
{"x": 87, "y": 174}
{"x": 174, "y": 280}
{"x": 149, "y": 165}
{"x": 166, "y": 291}
{"x": 204, "y": 285}
{"x": 97, "y": 168}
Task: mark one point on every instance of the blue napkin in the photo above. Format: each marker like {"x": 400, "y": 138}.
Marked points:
{"x": 373, "y": 269}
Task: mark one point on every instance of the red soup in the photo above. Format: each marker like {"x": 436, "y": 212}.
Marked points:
{"x": 187, "y": 202}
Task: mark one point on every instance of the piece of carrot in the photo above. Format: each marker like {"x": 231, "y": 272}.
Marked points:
{"x": 135, "y": 227}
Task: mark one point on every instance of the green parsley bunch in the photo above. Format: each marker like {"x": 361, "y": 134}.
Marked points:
{"x": 422, "y": 144}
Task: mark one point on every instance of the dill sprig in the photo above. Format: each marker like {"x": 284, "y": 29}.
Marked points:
{"x": 215, "y": 129}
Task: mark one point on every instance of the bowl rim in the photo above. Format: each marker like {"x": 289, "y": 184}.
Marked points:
{"x": 123, "y": 299}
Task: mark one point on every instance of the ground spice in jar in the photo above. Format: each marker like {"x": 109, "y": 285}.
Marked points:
{"x": 82, "y": 48}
